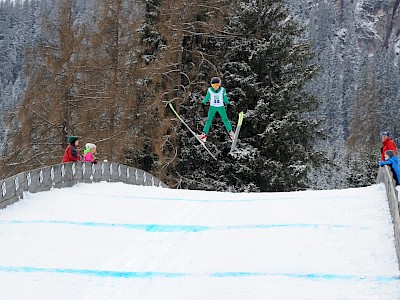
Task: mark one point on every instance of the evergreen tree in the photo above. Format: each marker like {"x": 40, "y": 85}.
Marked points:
{"x": 148, "y": 150}
{"x": 265, "y": 67}
{"x": 179, "y": 62}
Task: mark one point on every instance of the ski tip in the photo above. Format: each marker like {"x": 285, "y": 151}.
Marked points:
{"x": 241, "y": 116}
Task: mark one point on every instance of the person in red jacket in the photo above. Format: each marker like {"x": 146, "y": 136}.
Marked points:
{"x": 71, "y": 153}
{"x": 387, "y": 144}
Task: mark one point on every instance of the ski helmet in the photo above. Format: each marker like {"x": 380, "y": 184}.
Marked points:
{"x": 215, "y": 80}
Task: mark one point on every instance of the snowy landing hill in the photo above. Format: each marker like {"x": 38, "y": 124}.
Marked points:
{"x": 116, "y": 241}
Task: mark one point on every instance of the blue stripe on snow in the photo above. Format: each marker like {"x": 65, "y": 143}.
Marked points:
{"x": 310, "y": 276}
{"x": 144, "y": 227}
{"x": 149, "y": 275}
{"x": 95, "y": 273}
{"x": 181, "y": 228}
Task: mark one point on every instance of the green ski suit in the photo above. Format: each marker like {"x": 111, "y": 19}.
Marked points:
{"x": 217, "y": 99}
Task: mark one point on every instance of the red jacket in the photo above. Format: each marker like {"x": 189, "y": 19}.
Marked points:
{"x": 388, "y": 145}
{"x": 71, "y": 154}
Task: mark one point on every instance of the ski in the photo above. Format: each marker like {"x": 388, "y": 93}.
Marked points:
{"x": 194, "y": 133}
{"x": 235, "y": 139}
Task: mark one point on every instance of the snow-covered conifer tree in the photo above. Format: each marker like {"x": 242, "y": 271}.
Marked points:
{"x": 265, "y": 66}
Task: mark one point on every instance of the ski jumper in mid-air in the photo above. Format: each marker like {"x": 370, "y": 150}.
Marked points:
{"x": 216, "y": 94}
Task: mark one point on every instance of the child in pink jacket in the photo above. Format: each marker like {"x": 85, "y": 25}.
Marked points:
{"x": 90, "y": 153}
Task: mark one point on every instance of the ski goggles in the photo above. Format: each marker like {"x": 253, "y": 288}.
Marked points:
{"x": 216, "y": 86}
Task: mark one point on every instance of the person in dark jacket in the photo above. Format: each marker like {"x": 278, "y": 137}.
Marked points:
{"x": 387, "y": 144}
{"x": 71, "y": 153}
{"x": 393, "y": 161}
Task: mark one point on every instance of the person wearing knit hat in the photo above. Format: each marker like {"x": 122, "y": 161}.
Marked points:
{"x": 387, "y": 144}
{"x": 216, "y": 94}
{"x": 89, "y": 153}
{"x": 71, "y": 153}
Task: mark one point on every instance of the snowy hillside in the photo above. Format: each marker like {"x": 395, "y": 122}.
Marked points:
{"x": 115, "y": 241}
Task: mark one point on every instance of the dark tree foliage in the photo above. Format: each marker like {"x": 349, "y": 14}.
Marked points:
{"x": 178, "y": 60}
{"x": 264, "y": 67}
{"x": 115, "y": 89}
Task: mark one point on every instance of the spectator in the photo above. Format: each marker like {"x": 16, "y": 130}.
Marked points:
{"x": 89, "y": 153}
{"x": 387, "y": 144}
{"x": 71, "y": 153}
{"x": 392, "y": 160}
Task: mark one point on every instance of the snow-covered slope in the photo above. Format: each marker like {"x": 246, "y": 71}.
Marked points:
{"x": 115, "y": 241}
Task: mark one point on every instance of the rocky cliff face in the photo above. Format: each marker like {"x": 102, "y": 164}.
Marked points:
{"x": 351, "y": 30}
{"x": 357, "y": 44}
{"x": 377, "y": 23}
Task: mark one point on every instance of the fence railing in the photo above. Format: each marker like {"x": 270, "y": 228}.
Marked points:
{"x": 385, "y": 176}
{"x": 69, "y": 174}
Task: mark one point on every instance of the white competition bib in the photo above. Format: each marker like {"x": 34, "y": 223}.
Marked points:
{"x": 217, "y": 99}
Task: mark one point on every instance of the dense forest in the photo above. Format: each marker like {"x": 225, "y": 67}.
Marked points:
{"x": 357, "y": 45}
{"x": 105, "y": 70}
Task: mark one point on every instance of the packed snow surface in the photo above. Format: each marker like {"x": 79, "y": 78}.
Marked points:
{"x": 116, "y": 241}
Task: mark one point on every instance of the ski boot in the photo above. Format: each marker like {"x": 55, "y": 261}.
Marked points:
{"x": 231, "y": 135}
{"x": 202, "y": 137}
